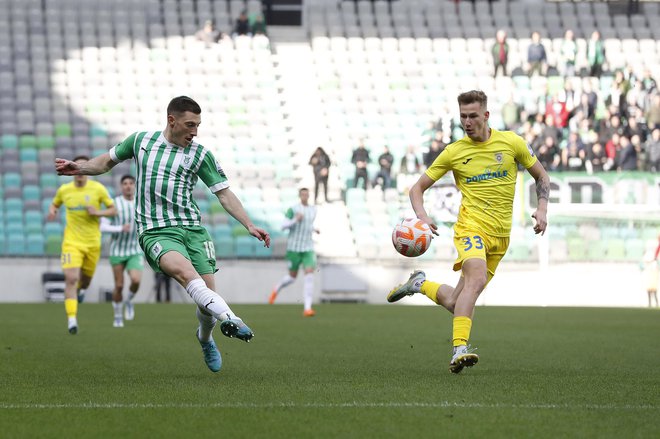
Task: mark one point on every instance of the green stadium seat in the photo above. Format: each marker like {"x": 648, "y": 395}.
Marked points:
{"x": 635, "y": 249}
{"x": 518, "y": 253}
{"x": 34, "y": 221}
{"x": 97, "y": 131}
{"x": 15, "y": 244}
{"x": 27, "y": 141}
{"x": 48, "y": 180}
{"x": 14, "y": 206}
{"x": 2, "y": 243}
{"x": 63, "y": 130}
{"x": 9, "y": 141}
{"x": 224, "y": 247}
{"x": 244, "y": 246}
{"x": 35, "y": 244}
{"x": 28, "y": 155}
{"x": 616, "y": 249}
{"x": 597, "y": 250}
{"x": 53, "y": 229}
{"x": 222, "y": 231}
{"x": 577, "y": 249}
{"x": 11, "y": 179}
{"x": 53, "y": 245}
{"x": 45, "y": 142}
{"x": 237, "y": 229}
{"x": 31, "y": 192}
{"x": 262, "y": 252}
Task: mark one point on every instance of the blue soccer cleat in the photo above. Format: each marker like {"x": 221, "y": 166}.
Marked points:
{"x": 236, "y": 328}
{"x": 211, "y": 353}
{"x": 81, "y": 296}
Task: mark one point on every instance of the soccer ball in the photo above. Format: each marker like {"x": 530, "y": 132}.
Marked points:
{"x": 411, "y": 237}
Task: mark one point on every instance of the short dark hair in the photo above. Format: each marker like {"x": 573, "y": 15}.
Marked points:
{"x": 302, "y": 189}
{"x": 81, "y": 157}
{"x": 472, "y": 96}
{"x": 126, "y": 177}
{"x": 181, "y": 104}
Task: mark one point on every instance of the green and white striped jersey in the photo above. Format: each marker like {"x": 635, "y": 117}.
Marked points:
{"x": 122, "y": 243}
{"x": 166, "y": 177}
{"x": 300, "y": 233}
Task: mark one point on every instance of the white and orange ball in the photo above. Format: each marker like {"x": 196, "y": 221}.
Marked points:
{"x": 411, "y": 237}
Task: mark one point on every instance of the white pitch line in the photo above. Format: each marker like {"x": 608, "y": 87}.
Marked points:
{"x": 355, "y": 404}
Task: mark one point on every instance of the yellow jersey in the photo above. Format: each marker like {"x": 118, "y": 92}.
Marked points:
{"x": 81, "y": 227}
{"x": 485, "y": 173}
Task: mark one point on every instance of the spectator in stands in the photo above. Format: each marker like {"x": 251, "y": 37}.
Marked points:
{"x": 570, "y": 96}
{"x": 409, "y": 169}
{"x": 384, "y": 175}
{"x": 650, "y": 85}
{"x": 652, "y": 114}
{"x": 558, "y": 110}
{"x": 634, "y": 129}
{"x": 163, "y": 284}
{"x": 591, "y": 97}
{"x": 548, "y": 154}
{"x": 428, "y": 134}
{"x": 568, "y": 54}
{"x": 626, "y": 157}
{"x": 619, "y": 90}
{"x": 437, "y": 146}
{"x": 242, "y": 26}
{"x": 597, "y": 160}
{"x": 510, "y": 114}
{"x": 536, "y": 56}
{"x": 636, "y": 142}
{"x": 612, "y": 147}
{"x": 320, "y": 162}
{"x": 361, "y": 159}
{"x": 652, "y": 148}
{"x": 258, "y": 25}
{"x": 573, "y": 154}
{"x": 500, "y": 52}
{"x": 595, "y": 54}
{"x": 208, "y": 34}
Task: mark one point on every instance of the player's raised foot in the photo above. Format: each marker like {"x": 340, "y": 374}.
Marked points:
{"x": 81, "y": 296}
{"x": 212, "y": 356}
{"x": 409, "y": 288}
{"x": 73, "y": 325}
{"x": 236, "y": 328}
{"x": 463, "y": 357}
{"x": 118, "y": 323}
{"x": 129, "y": 311}
{"x": 273, "y": 296}
{"x": 309, "y": 313}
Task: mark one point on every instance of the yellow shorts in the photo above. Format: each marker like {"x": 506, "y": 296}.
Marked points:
{"x": 474, "y": 244}
{"x": 80, "y": 256}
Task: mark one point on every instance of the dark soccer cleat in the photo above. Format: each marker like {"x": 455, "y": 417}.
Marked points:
{"x": 235, "y": 328}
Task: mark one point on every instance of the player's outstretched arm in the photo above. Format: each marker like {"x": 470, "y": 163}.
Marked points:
{"x": 234, "y": 207}
{"x": 417, "y": 200}
{"x": 542, "y": 194}
{"x": 98, "y": 165}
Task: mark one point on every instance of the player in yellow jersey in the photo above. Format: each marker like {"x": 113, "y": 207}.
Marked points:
{"x": 484, "y": 164}
{"x": 81, "y": 245}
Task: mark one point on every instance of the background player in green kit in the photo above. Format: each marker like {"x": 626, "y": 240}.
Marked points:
{"x": 125, "y": 252}
{"x": 169, "y": 164}
{"x": 300, "y": 250}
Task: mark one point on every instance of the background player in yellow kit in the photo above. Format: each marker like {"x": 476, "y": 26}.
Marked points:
{"x": 81, "y": 245}
{"x": 484, "y": 164}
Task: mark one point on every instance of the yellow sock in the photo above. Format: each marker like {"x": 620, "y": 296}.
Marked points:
{"x": 71, "y": 307}
{"x": 462, "y": 326}
{"x": 430, "y": 290}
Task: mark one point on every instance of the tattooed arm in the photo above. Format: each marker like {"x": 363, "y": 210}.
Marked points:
{"x": 542, "y": 194}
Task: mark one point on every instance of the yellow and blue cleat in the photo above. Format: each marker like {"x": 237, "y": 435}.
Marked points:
{"x": 409, "y": 288}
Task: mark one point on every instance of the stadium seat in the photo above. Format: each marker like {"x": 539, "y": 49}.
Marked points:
{"x": 9, "y": 141}
{"x": 15, "y": 244}
{"x": 244, "y": 246}
{"x": 35, "y": 244}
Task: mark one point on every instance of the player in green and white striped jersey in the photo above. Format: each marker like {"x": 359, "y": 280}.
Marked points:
{"x": 125, "y": 252}
{"x": 169, "y": 163}
{"x": 300, "y": 250}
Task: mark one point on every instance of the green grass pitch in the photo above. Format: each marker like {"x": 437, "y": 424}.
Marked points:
{"x": 351, "y": 371}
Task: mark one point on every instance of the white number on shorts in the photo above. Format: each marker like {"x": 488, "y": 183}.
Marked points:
{"x": 210, "y": 249}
